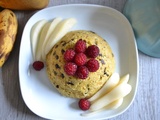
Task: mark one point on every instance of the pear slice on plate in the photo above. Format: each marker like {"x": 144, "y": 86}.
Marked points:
{"x": 118, "y": 92}
{"x": 109, "y": 85}
{"x": 49, "y": 31}
{"x": 61, "y": 29}
{"x": 35, "y": 33}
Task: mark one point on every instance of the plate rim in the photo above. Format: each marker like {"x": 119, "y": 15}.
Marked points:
{"x": 89, "y": 5}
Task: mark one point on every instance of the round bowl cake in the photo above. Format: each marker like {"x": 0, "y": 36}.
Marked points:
{"x": 72, "y": 86}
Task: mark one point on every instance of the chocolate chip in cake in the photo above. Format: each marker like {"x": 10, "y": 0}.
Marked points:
{"x": 62, "y": 75}
{"x": 62, "y": 51}
{"x": 105, "y": 73}
{"x": 57, "y": 86}
{"x": 64, "y": 43}
{"x": 100, "y": 54}
{"x": 70, "y": 83}
{"x": 92, "y": 32}
{"x": 56, "y": 46}
{"x": 57, "y": 57}
{"x": 55, "y": 73}
{"x": 88, "y": 89}
{"x": 57, "y": 66}
{"x": 102, "y": 61}
{"x": 104, "y": 40}
{"x": 54, "y": 53}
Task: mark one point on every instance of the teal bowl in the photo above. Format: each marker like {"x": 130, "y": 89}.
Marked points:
{"x": 144, "y": 16}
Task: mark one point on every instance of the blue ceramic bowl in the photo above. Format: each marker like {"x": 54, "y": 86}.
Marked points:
{"x": 144, "y": 16}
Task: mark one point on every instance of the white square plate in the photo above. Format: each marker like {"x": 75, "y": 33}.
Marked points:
{"x": 38, "y": 93}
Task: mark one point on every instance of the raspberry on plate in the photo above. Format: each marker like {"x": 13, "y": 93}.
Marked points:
{"x": 92, "y": 51}
{"x": 38, "y": 65}
{"x": 80, "y": 46}
{"x": 80, "y": 59}
{"x": 92, "y": 65}
{"x": 70, "y": 68}
{"x": 69, "y": 55}
{"x": 84, "y": 104}
{"x": 82, "y": 72}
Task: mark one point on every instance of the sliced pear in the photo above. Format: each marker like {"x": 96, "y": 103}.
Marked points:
{"x": 35, "y": 32}
{"x": 50, "y": 30}
{"x": 114, "y": 105}
{"x": 43, "y": 33}
{"x": 109, "y": 85}
{"x": 118, "y": 92}
{"x": 124, "y": 79}
{"x": 61, "y": 29}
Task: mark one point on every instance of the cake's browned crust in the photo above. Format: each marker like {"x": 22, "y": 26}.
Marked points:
{"x": 71, "y": 86}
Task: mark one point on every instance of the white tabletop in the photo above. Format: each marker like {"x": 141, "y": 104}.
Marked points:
{"x": 146, "y": 105}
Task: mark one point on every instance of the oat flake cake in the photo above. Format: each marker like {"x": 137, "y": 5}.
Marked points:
{"x": 71, "y": 86}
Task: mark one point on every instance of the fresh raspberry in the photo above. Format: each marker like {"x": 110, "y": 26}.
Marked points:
{"x": 38, "y": 65}
{"x": 80, "y": 46}
{"x": 84, "y": 104}
{"x": 82, "y": 72}
{"x": 92, "y": 51}
{"x": 80, "y": 59}
{"x": 70, "y": 68}
{"x": 92, "y": 65}
{"x": 69, "y": 55}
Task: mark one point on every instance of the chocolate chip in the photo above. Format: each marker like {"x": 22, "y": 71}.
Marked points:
{"x": 56, "y": 46}
{"x": 88, "y": 89}
{"x": 55, "y": 73}
{"x": 62, "y": 51}
{"x": 102, "y": 61}
{"x": 105, "y": 73}
{"x": 57, "y": 57}
{"x": 64, "y": 43}
{"x": 100, "y": 54}
{"x": 57, "y": 86}
{"x": 70, "y": 83}
{"x": 62, "y": 75}
{"x": 92, "y": 32}
{"x": 54, "y": 53}
{"x": 57, "y": 66}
